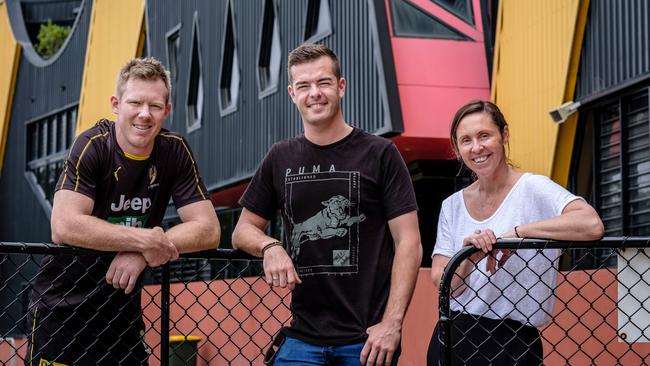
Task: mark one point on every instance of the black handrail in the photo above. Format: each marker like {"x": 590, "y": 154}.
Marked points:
{"x": 50, "y": 248}
{"x": 513, "y": 244}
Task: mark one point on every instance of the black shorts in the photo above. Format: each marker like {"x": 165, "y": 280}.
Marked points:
{"x": 75, "y": 337}
{"x": 477, "y": 340}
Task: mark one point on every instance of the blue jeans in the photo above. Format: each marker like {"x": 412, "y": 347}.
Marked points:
{"x": 297, "y": 352}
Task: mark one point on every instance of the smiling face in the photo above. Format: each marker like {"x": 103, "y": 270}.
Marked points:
{"x": 480, "y": 143}
{"x": 316, "y": 91}
{"x": 141, "y": 110}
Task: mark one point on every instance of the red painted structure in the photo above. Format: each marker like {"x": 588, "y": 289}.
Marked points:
{"x": 435, "y": 77}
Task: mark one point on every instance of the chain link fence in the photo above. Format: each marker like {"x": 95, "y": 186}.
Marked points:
{"x": 529, "y": 313}
{"x": 210, "y": 307}
{"x": 213, "y": 308}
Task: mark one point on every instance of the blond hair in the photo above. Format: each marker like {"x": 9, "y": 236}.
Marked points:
{"x": 147, "y": 68}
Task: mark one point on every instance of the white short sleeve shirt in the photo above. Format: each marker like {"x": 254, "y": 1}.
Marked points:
{"x": 523, "y": 289}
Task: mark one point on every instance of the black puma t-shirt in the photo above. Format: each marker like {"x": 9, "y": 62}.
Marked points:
{"x": 126, "y": 190}
{"x": 336, "y": 201}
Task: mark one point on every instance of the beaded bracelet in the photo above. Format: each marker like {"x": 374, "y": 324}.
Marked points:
{"x": 269, "y": 246}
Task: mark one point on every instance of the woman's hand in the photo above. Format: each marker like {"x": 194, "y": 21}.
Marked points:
{"x": 483, "y": 240}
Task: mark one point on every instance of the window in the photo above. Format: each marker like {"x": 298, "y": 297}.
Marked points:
{"x": 623, "y": 172}
{"x": 270, "y": 51}
{"x": 49, "y": 24}
{"x": 489, "y": 10}
{"x": 460, "y": 8}
{"x": 411, "y": 21}
{"x": 229, "y": 79}
{"x": 173, "y": 48}
{"x": 612, "y": 165}
{"x": 318, "y": 23}
{"x": 48, "y": 140}
{"x": 194, "y": 111}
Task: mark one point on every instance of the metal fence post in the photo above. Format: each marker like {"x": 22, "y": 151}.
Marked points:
{"x": 164, "y": 316}
{"x": 445, "y": 299}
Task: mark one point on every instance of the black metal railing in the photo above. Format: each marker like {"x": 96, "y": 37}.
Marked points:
{"x": 232, "y": 316}
{"x": 229, "y": 318}
{"x": 599, "y": 316}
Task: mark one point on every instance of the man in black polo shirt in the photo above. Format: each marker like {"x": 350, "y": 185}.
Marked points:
{"x": 351, "y": 226}
{"x": 112, "y": 196}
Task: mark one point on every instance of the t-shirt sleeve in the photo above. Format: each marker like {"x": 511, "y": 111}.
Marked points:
{"x": 260, "y": 197}
{"x": 547, "y": 192}
{"x": 398, "y": 193}
{"x": 81, "y": 170}
{"x": 444, "y": 240}
{"x": 188, "y": 185}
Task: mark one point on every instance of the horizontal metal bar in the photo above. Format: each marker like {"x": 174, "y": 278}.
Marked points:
{"x": 606, "y": 242}
{"x": 47, "y": 248}
{"x": 221, "y": 254}
{"x": 50, "y": 248}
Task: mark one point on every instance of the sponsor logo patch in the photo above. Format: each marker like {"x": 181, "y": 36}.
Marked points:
{"x": 152, "y": 174}
{"x": 131, "y": 221}
{"x": 135, "y": 203}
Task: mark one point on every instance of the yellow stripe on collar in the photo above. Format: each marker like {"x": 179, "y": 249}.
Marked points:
{"x": 135, "y": 157}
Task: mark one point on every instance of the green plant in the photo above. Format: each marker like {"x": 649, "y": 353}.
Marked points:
{"x": 50, "y": 38}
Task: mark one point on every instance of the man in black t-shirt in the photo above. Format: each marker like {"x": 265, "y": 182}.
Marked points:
{"x": 352, "y": 245}
{"x": 112, "y": 196}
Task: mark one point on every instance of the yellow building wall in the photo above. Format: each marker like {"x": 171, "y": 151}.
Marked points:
{"x": 535, "y": 67}
{"x": 10, "y": 51}
{"x": 116, "y": 34}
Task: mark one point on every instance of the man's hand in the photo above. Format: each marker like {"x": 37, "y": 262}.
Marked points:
{"x": 124, "y": 270}
{"x": 159, "y": 249}
{"x": 279, "y": 270}
{"x": 383, "y": 340}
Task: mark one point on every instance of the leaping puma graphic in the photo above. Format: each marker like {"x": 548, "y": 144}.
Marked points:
{"x": 329, "y": 222}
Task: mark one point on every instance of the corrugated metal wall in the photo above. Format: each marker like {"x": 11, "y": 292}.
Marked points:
{"x": 103, "y": 62}
{"x": 616, "y": 46}
{"x": 531, "y": 74}
{"x": 229, "y": 148}
{"x": 40, "y": 89}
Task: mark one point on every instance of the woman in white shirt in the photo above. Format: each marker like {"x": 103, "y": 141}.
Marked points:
{"x": 498, "y": 303}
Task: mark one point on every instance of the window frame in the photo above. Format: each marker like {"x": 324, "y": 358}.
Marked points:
{"x": 472, "y": 16}
{"x": 271, "y": 87}
{"x": 48, "y": 158}
{"x": 232, "y": 105}
{"x": 309, "y": 19}
{"x": 172, "y": 65}
{"x": 590, "y": 167}
{"x": 191, "y": 123}
{"x": 458, "y": 35}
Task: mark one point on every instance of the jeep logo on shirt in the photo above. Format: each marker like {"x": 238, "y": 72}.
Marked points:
{"x": 135, "y": 203}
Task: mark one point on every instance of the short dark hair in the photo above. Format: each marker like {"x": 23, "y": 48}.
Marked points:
{"x": 147, "y": 68}
{"x": 308, "y": 52}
